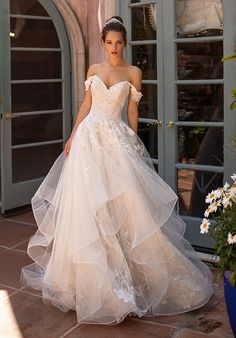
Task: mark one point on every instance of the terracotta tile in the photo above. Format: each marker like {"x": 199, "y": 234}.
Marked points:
{"x": 28, "y": 289}
{"x": 126, "y": 329}
{"x": 22, "y": 246}
{"x": 193, "y": 334}
{"x": 12, "y": 233}
{"x": 2, "y": 249}
{"x": 27, "y": 315}
{"x": 27, "y": 217}
{"x": 6, "y": 290}
{"x": 11, "y": 263}
{"x": 212, "y": 319}
{"x": 177, "y": 321}
{"x": 217, "y": 278}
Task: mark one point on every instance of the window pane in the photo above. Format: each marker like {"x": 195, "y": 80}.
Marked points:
{"x": 194, "y": 18}
{"x": 33, "y": 33}
{"x": 200, "y": 102}
{"x": 193, "y": 186}
{"x": 35, "y": 65}
{"x": 144, "y": 22}
{"x": 37, "y": 128}
{"x": 33, "y": 162}
{"x": 144, "y": 57}
{"x": 148, "y": 104}
{"x": 36, "y": 96}
{"x": 200, "y": 60}
{"x": 148, "y": 134}
{"x": 201, "y": 145}
{"x": 29, "y": 7}
{"x": 156, "y": 167}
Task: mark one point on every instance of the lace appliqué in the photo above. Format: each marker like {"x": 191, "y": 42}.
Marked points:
{"x": 136, "y": 96}
{"x": 123, "y": 288}
{"x": 130, "y": 141}
{"x": 88, "y": 82}
{"x": 182, "y": 286}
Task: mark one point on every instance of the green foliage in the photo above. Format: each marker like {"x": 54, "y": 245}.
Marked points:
{"x": 231, "y": 56}
{"x": 232, "y": 106}
{"x": 233, "y": 94}
{"x": 223, "y": 229}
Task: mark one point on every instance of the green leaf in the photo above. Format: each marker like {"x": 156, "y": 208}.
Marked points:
{"x": 233, "y": 92}
{"x": 233, "y": 105}
{"x": 232, "y": 278}
{"x": 231, "y": 56}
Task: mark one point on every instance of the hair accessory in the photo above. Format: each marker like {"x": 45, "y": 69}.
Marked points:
{"x": 113, "y": 20}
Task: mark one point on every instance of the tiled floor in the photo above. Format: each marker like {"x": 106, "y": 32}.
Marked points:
{"x": 24, "y": 315}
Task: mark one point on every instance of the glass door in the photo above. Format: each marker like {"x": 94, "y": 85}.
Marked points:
{"x": 35, "y": 91}
{"x": 185, "y": 120}
{"x": 144, "y": 49}
{"x": 197, "y": 114}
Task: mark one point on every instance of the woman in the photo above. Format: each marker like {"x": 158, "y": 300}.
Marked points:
{"x": 109, "y": 242}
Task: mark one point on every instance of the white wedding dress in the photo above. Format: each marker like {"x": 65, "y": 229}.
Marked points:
{"x": 109, "y": 242}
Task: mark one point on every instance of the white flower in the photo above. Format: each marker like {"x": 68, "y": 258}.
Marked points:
{"x": 204, "y": 227}
{"x": 219, "y": 192}
{"x": 231, "y": 239}
{"x": 226, "y": 186}
{"x": 233, "y": 177}
{"x": 213, "y": 207}
{"x": 207, "y": 212}
{"x": 232, "y": 190}
{"x": 227, "y": 201}
{"x": 211, "y": 196}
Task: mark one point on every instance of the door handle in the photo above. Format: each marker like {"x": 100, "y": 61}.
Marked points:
{"x": 170, "y": 124}
{"x": 155, "y": 123}
{"x": 9, "y": 116}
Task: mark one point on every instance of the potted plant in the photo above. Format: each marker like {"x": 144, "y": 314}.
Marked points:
{"x": 221, "y": 215}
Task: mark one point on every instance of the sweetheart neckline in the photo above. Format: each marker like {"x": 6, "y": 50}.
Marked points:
{"x": 113, "y": 84}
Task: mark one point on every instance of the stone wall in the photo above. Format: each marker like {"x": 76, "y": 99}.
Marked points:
{"x": 91, "y": 15}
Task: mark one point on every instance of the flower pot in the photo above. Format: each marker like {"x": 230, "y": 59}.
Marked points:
{"x": 230, "y": 299}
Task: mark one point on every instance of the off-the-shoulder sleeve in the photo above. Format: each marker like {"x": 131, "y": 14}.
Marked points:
{"x": 136, "y": 96}
{"x": 88, "y": 82}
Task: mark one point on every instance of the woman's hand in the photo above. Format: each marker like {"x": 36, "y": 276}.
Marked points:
{"x": 67, "y": 146}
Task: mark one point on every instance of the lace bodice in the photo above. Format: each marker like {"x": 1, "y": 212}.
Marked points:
{"x": 110, "y": 101}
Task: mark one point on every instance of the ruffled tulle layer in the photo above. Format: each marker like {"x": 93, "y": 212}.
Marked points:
{"x": 109, "y": 241}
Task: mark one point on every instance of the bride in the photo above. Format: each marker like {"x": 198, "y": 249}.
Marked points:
{"x": 109, "y": 242}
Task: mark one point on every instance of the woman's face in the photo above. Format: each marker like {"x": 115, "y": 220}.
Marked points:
{"x": 114, "y": 44}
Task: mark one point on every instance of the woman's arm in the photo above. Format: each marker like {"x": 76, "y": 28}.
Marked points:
{"x": 132, "y": 114}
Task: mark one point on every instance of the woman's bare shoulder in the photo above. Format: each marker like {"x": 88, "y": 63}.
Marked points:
{"x": 135, "y": 75}
{"x": 134, "y": 71}
{"x": 94, "y": 69}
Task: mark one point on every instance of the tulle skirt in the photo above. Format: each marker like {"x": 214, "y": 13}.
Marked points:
{"x": 109, "y": 241}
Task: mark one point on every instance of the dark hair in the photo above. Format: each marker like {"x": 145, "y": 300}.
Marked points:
{"x": 114, "y": 26}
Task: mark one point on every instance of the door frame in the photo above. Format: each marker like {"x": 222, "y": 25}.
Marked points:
{"x": 121, "y": 7}
{"x": 20, "y": 193}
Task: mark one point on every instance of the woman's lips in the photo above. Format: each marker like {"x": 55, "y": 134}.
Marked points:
{"x": 114, "y": 53}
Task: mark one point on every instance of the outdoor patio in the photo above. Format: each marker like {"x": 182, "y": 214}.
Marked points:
{"x": 23, "y": 314}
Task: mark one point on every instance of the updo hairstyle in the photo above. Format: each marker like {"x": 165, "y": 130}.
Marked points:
{"x": 115, "y": 25}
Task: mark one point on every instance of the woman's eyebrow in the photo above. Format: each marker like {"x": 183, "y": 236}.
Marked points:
{"x": 108, "y": 40}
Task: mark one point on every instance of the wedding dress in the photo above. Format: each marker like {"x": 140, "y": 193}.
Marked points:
{"x": 109, "y": 241}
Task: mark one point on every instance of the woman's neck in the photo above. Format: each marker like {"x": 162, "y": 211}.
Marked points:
{"x": 116, "y": 62}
